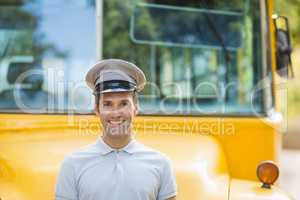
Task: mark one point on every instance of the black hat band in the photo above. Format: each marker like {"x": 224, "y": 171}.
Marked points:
{"x": 114, "y": 84}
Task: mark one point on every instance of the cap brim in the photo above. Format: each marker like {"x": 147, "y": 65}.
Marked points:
{"x": 116, "y": 90}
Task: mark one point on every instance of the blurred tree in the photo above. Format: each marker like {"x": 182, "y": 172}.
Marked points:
{"x": 291, "y": 9}
{"x": 116, "y": 36}
{"x": 20, "y": 35}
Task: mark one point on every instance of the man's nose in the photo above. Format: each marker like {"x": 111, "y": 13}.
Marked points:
{"x": 116, "y": 112}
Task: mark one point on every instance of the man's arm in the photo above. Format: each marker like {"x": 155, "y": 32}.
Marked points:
{"x": 168, "y": 187}
{"x": 65, "y": 185}
{"x": 172, "y": 198}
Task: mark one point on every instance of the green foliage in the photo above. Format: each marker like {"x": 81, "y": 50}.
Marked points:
{"x": 19, "y": 33}
{"x": 293, "y": 87}
{"x": 291, "y": 9}
{"x": 116, "y": 37}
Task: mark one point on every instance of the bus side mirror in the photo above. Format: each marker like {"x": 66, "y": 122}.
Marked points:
{"x": 283, "y": 47}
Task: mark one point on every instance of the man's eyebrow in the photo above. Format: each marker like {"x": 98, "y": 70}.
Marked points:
{"x": 106, "y": 101}
{"x": 124, "y": 100}
{"x": 111, "y": 101}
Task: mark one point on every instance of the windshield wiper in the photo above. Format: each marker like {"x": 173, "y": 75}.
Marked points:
{"x": 212, "y": 26}
{"x": 6, "y": 47}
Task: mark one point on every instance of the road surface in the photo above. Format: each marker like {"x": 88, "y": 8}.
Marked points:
{"x": 290, "y": 172}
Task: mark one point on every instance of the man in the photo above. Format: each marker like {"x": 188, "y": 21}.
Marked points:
{"x": 116, "y": 166}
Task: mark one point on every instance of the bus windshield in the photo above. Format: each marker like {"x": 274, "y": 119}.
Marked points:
{"x": 199, "y": 57}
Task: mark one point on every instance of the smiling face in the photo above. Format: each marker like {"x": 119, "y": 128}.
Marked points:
{"x": 116, "y": 111}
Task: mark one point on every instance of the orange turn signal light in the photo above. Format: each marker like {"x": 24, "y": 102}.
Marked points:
{"x": 267, "y": 172}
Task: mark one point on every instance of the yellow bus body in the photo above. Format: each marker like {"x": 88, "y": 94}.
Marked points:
{"x": 208, "y": 163}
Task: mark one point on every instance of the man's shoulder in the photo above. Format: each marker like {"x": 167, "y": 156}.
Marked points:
{"x": 82, "y": 154}
{"x": 152, "y": 152}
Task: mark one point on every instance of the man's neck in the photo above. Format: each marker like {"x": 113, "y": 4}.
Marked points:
{"x": 117, "y": 142}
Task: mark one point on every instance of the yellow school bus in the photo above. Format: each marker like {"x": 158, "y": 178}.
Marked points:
{"x": 212, "y": 102}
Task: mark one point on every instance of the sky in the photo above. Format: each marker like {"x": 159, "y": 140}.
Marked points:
{"x": 71, "y": 26}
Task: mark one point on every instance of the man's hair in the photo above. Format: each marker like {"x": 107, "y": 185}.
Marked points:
{"x": 98, "y": 95}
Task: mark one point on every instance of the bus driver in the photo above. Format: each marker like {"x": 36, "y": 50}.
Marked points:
{"x": 116, "y": 166}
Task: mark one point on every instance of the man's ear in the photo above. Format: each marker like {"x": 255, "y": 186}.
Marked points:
{"x": 96, "y": 109}
{"x": 136, "y": 108}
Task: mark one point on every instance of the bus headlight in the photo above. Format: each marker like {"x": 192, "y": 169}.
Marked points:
{"x": 267, "y": 172}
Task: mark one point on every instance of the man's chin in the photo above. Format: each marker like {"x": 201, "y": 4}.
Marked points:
{"x": 117, "y": 133}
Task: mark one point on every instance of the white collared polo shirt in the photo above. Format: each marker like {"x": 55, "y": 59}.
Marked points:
{"x": 98, "y": 172}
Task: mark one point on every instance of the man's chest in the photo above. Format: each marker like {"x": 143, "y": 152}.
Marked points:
{"x": 120, "y": 177}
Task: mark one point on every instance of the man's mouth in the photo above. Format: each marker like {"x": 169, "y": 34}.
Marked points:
{"x": 116, "y": 122}
{"x": 117, "y": 127}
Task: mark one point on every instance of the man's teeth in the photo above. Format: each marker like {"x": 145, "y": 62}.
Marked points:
{"x": 116, "y": 122}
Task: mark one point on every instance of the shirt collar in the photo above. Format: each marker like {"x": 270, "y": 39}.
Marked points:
{"x": 105, "y": 149}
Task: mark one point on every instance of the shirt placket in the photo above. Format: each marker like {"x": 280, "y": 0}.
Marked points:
{"x": 119, "y": 172}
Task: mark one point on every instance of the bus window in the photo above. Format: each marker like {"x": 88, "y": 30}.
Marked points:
{"x": 219, "y": 77}
{"x": 46, "y": 49}
{"x": 186, "y": 27}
